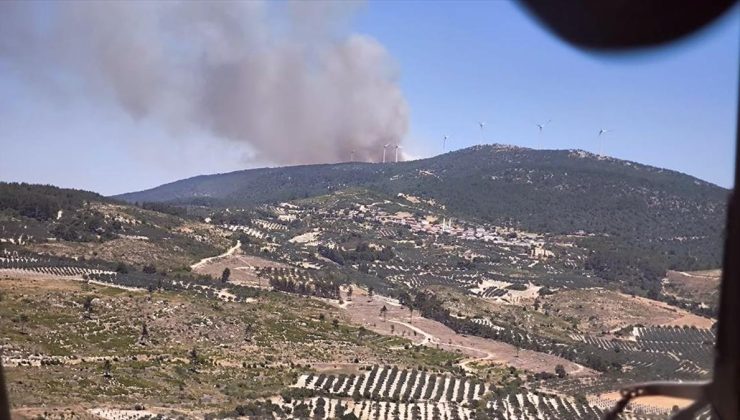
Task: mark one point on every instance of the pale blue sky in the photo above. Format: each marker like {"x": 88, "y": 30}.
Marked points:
{"x": 458, "y": 63}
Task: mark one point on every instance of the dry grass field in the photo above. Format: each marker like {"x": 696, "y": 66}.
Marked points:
{"x": 58, "y": 335}
{"x": 601, "y": 310}
{"x": 243, "y": 268}
{"x": 365, "y": 311}
{"x": 699, "y": 286}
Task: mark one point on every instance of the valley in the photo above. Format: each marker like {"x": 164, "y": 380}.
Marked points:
{"x": 363, "y": 300}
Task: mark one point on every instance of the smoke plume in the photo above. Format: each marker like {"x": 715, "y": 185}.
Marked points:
{"x": 287, "y": 79}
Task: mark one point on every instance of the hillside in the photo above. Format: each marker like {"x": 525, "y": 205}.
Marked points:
{"x": 375, "y": 292}
{"x": 549, "y": 190}
{"x": 242, "y": 351}
{"x": 628, "y": 205}
{"x": 77, "y": 224}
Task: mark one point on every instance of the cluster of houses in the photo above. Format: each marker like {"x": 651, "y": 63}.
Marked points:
{"x": 428, "y": 224}
{"x": 502, "y": 236}
{"x": 370, "y": 215}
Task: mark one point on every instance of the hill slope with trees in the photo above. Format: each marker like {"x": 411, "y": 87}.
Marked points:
{"x": 559, "y": 191}
{"x": 82, "y": 224}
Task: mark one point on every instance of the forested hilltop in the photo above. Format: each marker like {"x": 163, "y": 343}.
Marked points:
{"x": 42, "y": 202}
{"x": 559, "y": 191}
{"x": 388, "y": 280}
{"x": 73, "y": 223}
{"x": 650, "y": 216}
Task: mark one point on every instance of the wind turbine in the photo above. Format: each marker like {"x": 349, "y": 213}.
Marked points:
{"x": 397, "y": 147}
{"x": 482, "y": 126}
{"x": 444, "y": 143}
{"x": 352, "y": 156}
{"x": 541, "y": 126}
{"x": 385, "y": 146}
{"x": 601, "y": 142}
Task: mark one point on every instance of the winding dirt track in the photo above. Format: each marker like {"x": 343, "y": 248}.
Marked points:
{"x": 364, "y": 310}
{"x": 228, "y": 252}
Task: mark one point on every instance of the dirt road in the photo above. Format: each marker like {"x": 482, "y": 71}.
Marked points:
{"x": 365, "y": 310}
{"x": 228, "y": 252}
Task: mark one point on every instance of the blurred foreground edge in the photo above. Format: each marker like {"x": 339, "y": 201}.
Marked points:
{"x": 622, "y": 25}
{"x": 625, "y": 25}
{"x": 614, "y": 25}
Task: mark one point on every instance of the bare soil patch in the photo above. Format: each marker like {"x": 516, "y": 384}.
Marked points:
{"x": 599, "y": 310}
{"x": 13, "y": 274}
{"x": 128, "y": 250}
{"x": 71, "y": 412}
{"x": 243, "y": 268}
{"x": 696, "y": 286}
{"x": 660, "y": 402}
{"x": 364, "y": 310}
{"x": 681, "y": 316}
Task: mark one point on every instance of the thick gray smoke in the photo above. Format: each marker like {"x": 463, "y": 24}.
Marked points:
{"x": 285, "y": 78}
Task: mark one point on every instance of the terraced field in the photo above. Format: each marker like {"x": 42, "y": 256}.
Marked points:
{"x": 522, "y": 406}
{"x": 443, "y": 321}
{"x": 64, "y": 271}
{"x": 393, "y": 384}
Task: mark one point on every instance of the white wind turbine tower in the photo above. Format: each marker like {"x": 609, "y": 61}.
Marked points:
{"x": 601, "y": 141}
{"x": 385, "y": 146}
{"x": 482, "y": 126}
{"x": 352, "y": 156}
{"x": 397, "y": 147}
{"x": 540, "y": 127}
{"x": 444, "y": 143}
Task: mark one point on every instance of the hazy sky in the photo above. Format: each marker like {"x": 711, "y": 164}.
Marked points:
{"x": 458, "y": 64}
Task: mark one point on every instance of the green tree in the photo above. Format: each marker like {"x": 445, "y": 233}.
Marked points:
{"x": 348, "y": 416}
{"x": 144, "y": 333}
{"x": 194, "y": 360}
{"x": 225, "y": 275}
{"x": 107, "y": 369}
{"x": 560, "y": 371}
{"x": 121, "y": 268}
{"x": 248, "y": 332}
{"x": 361, "y": 333}
{"x": 23, "y": 320}
{"x": 87, "y": 306}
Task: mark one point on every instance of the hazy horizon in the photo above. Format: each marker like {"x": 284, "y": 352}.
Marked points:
{"x": 68, "y": 123}
{"x": 354, "y": 209}
{"x": 339, "y": 163}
